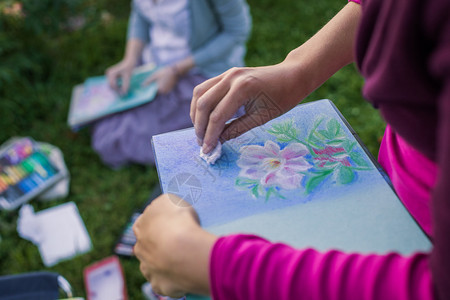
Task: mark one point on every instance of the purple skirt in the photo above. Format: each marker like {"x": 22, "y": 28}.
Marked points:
{"x": 125, "y": 137}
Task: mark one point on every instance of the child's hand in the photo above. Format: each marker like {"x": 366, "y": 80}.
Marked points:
{"x": 264, "y": 91}
{"x": 166, "y": 79}
{"x": 120, "y": 72}
{"x": 172, "y": 248}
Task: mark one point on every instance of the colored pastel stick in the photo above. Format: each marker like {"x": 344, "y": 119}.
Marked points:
{"x": 3, "y": 187}
{"x": 27, "y": 166}
{"x": 3, "y": 177}
{"x": 38, "y": 167}
{"x": 3, "y": 183}
{"x": 8, "y": 179}
{"x": 16, "y": 172}
{"x": 23, "y": 187}
{"x": 30, "y": 182}
{"x": 37, "y": 178}
{"x": 45, "y": 163}
{"x": 12, "y": 178}
{"x": 22, "y": 172}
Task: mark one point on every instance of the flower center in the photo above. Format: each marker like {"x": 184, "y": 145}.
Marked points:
{"x": 272, "y": 163}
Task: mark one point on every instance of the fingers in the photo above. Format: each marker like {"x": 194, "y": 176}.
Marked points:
{"x": 238, "y": 127}
{"x": 166, "y": 80}
{"x": 157, "y": 232}
{"x": 149, "y": 79}
{"x": 119, "y": 76}
{"x": 199, "y": 90}
{"x": 165, "y": 288}
{"x": 218, "y": 100}
{"x": 145, "y": 271}
{"x": 208, "y": 113}
{"x": 126, "y": 76}
{"x": 112, "y": 77}
{"x": 223, "y": 111}
{"x": 172, "y": 203}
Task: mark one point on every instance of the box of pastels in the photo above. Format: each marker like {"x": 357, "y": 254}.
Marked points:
{"x": 25, "y": 172}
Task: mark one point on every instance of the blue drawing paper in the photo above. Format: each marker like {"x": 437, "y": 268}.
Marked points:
{"x": 302, "y": 178}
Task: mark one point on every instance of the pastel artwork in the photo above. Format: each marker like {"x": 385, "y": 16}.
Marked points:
{"x": 302, "y": 178}
{"x": 285, "y": 162}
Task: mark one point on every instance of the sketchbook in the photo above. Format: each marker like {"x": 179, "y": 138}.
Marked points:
{"x": 304, "y": 179}
{"x": 95, "y": 99}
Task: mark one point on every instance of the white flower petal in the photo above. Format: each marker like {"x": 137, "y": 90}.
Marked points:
{"x": 272, "y": 166}
{"x": 251, "y": 155}
{"x": 298, "y": 165}
{"x": 269, "y": 179}
{"x": 272, "y": 148}
{"x": 294, "y": 150}
{"x": 252, "y": 173}
{"x": 288, "y": 181}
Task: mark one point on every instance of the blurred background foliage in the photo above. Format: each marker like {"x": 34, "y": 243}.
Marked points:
{"x": 48, "y": 46}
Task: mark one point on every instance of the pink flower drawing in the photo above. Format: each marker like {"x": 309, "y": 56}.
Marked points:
{"x": 273, "y": 167}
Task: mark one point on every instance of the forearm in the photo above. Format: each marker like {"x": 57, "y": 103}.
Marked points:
{"x": 133, "y": 50}
{"x": 183, "y": 66}
{"x": 278, "y": 87}
{"x": 330, "y": 49}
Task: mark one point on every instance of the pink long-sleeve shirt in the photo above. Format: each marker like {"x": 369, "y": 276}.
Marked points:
{"x": 403, "y": 51}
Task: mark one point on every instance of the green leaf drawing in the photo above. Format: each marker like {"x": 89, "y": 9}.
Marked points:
{"x": 345, "y": 174}
{"x": 340, "y": 155}
{"x": 348, "y": 145}
{"x": 358, "y": 159}
{"x": 336, "y": 142}
{"x": 331, "y": 164}
{"x": 333, "y": 127}
{"x": 285, "y": 132}
{"x": 255, "y": 191}
{"x": 316, "y": 178}
{"x": 245, "y": 182}
{"x": 274, "y": 191}
{"x": 311, "y": 135}
{"x": 325, "y": 134}
{"x": 314, "y": 141}
{"x": 317, "y": 123}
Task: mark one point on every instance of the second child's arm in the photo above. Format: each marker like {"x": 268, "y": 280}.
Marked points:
{"x": 282, "y": 85}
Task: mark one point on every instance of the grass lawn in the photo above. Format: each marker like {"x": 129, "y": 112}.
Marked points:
{"x": 37, "y": 73}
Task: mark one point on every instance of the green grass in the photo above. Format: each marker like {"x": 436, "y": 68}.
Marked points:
{"x": 37, "y": 106}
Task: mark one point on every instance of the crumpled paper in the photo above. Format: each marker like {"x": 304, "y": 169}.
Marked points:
{"x": 58, "y": 232}
{"x": 213, "y": 155}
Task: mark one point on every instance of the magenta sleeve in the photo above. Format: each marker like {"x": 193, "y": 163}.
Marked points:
{"x": 248, "y": 267}
{"x": 356, "y": 1}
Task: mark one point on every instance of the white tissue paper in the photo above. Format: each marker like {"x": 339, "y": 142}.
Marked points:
{"x": 58, "y": 232}
{"x": 213, "y": 155}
